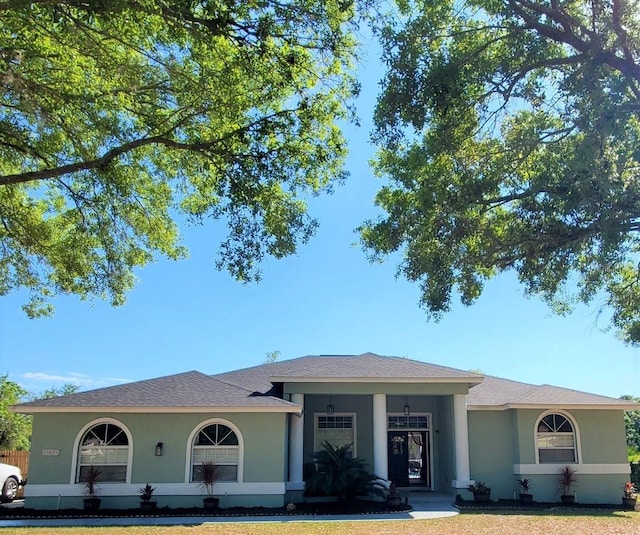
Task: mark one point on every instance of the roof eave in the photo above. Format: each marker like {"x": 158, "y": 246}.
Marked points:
{"x": 291, "y": 409}
{"x": 395, "y": 380}
{"x": 545, "y": 406}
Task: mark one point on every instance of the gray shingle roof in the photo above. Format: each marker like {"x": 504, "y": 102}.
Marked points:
{"x": 190, "y": 391}
{"x": 347, "y": 368}
{"x": 257, "y": 388}
{"x": 495, "y": 392}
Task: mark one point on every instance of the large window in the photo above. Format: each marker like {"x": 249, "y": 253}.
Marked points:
{"x": 104, "y": 446}
{"x": 219, "y": 443}
{"x": 337, "y": 429}
{"x": 556, "y": 439}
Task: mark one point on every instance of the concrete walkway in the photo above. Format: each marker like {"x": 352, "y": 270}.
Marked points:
{"x": 425, "y": 505}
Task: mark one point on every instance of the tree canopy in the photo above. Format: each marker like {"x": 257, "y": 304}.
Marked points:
{"x": 120, "y": 119}
{"x": 632, "y": 427}
{"x": 15, "y": 429}
{"x": 509, "y": 132}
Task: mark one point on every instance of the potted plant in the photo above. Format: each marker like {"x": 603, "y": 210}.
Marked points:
{"x": 481, "y": 493}
{"x": 394, "y": 499}
{"x": 566, "y": 480}
{"x": 92, "y": 476}
{"x": 525, "y": 485}
{"x": 629, "y": 497}
{"x": 339, "y": 476}
{"x": 208, "y": 471}
{"x": 146, "y": 503}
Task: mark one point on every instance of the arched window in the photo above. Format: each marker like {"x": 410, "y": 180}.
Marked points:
{"x": 556, "y": 439}
{"x": 104, "y": 446}
{"x": 219, "y": 443}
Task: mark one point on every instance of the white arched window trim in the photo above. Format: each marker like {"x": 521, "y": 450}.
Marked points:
{"x": 576, "y": 432}
{"x": 192, "y": 437}
{"x": 76, "y": 446}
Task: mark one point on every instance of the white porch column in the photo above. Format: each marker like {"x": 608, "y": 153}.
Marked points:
{"x": 296, "y": 446}
{"x": 380, "y": 466}
{"x": 461, "y": 442}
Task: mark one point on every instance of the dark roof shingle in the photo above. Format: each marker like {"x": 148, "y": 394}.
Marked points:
{"x": 496, "y": 392}
{"x": 367, "y": 366}
{"x": 187, "y": 390}
{"x": 258, "y": 389}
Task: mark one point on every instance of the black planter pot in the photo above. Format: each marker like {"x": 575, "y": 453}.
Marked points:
{"x": 629, "y": 503}
{"x": 568, "y": 499}
{"x": 481, "y": 497}
{"x": 211, "y": 503}
{"x": 526, "y": 498}
{"x": 92, "y": 504}
{"x": 148, "y": 505}
{"x": 394, "y": 501}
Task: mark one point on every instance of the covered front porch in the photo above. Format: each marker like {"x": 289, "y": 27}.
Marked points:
{"x": 413, "y": 435}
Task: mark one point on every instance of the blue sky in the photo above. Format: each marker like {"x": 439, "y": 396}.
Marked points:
{"x": 327, "y": 299}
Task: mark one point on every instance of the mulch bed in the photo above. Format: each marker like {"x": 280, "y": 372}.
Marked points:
{"x": 501, "y": 505}
{"x": 310, "y": 509}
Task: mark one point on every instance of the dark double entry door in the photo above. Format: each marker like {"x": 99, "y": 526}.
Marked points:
{"x": 409, "y": 458}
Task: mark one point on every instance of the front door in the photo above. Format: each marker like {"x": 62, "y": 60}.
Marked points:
{"x": 409, "y": 462}
{"x": 399, "y": 458}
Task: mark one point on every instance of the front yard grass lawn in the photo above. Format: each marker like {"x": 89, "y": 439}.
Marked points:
{"x": 585, "y": 522}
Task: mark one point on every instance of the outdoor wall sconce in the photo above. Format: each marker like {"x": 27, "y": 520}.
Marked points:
{"x": 330, "y": 407}
{"x": 407, "y": 409}
{"x": 159, "y": 449}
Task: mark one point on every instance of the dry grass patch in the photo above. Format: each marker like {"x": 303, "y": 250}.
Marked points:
{"x": 596, "y": 523}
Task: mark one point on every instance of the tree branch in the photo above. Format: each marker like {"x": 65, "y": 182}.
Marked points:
{"x": 591, "y": 48}
{"x": 116, "y": 152}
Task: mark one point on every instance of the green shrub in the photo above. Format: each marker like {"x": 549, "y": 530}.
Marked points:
{"x": 339, "y": 474}
{"x": 635, "y": 474}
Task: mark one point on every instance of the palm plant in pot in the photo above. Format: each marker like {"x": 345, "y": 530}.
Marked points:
{"x": 629, "y": 497}
{"x": 91, "y": 478}
{"x": 566, "y": 480}
{"x": 340, "y": 475}
{"x": 146, "y": 493}
{"x": 525, "y": 486}
{"x": 208, "y": 472}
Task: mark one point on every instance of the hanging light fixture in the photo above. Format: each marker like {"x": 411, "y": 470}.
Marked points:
{"x": 330, "y": 407}
{"x": 159, "y": 449}
{"x": 407, "y": 408}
